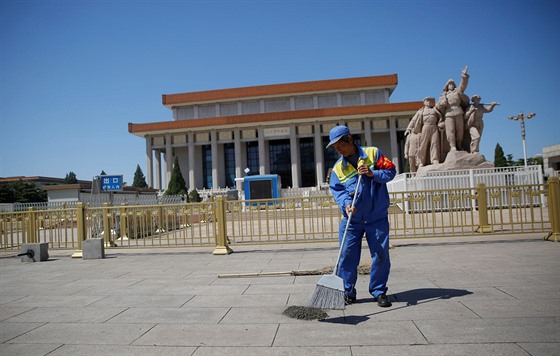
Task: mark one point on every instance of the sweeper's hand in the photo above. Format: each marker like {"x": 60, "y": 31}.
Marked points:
{"x": 349, "y": 209}
{"x": 364, "y": 169}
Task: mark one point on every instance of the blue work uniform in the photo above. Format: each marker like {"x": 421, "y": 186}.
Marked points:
{"x": 370, "y": 217}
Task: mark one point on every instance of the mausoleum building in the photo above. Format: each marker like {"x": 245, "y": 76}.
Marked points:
{"x": 219, "y": 135}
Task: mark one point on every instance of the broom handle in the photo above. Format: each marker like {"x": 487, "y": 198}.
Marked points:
{"x": 259, "y": 274}
{"x": 335, "y": 270}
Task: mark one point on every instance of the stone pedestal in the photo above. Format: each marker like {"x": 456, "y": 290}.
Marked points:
{"x": 93, "y": 248}
{"x": 34, "y": 252}
{"x": 458, "y": 160}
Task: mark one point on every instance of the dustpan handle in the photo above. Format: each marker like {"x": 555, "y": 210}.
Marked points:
{"x": 335, "y": 270}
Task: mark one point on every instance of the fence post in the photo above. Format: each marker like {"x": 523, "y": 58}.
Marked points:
{"x": 80, "y": 217}
{"x": 107, "y": 225}
{"x": 124, "y": 222}
{"x": 31, "y": 226}
{"x": 222, "y": 247}
{"x": 554, "y": 207}
{"x": 483, "y": 226}
{"x": 160, "y": 228}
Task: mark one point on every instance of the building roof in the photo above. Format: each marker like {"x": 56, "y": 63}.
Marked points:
{"x": 37, "y": 180}
{"x": 382, "y": 81}
{"x": 250, "y": 119}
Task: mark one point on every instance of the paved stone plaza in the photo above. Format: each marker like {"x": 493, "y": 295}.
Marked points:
{"x": 482, "y": 295}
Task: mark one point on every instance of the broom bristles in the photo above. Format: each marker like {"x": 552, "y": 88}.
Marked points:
{"x": 326, "y": 298}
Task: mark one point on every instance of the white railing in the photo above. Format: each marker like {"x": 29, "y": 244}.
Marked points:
{"x": 468, "y": 178}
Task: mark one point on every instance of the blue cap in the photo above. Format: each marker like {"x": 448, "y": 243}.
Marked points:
{"x": 337, "y": 133}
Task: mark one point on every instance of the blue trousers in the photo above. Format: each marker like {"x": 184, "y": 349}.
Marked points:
{"x": 377, "y": 237}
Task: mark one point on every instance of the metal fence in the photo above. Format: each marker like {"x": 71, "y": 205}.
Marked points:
{"x": 221, "y": 222}
{"x": 467, "y": 178}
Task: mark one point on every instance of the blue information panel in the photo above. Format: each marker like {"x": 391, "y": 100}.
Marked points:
{"x": 111, "y": 183}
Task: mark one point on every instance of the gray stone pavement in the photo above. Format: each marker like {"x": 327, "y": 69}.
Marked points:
{"x": 481, "y": 295}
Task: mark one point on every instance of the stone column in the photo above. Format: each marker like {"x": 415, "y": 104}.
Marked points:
{"x": 192, "y": 183}
{"x": 238, "y": 160}
{"x": 149, "y": 164}
{"x": 294, "y": 157}
{"x": 158, "y": 169}
{"x": 214, "y": 149}
{"x": 319, "y": 153}
{"x": 367, "y": 132}
{"x": 168, "y": 159}
{"x": 262, "y": 152}
{"x": 394, "y": 143}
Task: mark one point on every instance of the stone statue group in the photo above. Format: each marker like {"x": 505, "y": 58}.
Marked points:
{"x": 451, "y": 124}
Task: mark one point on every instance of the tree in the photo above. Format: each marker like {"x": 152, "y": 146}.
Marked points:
{"x": 510, "y": 161}
{"x": 102, "y": 173}
{"x": 194, "y": 197}
{"x": 22, "y": 192}
{"x": 139, "y": 179}
{"x": 499, "y": 157}
{"x": 70, "y": 178}
{"x": 177, "y": 185}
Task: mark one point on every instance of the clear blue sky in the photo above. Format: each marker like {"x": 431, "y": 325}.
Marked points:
{"x": 75, "y": 73}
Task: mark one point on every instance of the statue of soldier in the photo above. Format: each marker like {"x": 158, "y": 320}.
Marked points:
{"x": 452, "y": 104}
{"x": 473, "y": 118}
{"x": 429, "y": 121}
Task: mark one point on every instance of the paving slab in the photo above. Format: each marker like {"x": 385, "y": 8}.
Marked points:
{"x": 515, "y": 308}
{"x": 66, "y": 315}
{"x": 526, "y": 292}
{"x": 334, "y": 332}
{"x": 38, "y": 301}
{"x": 537, "y": 348}
{"x": 425, "y": 310}
{"x": 490, "y": 330}
{"x": 77, "y": 334}
{"x": 28, "y": 349}
{"x": 6, "y": 313}
{"x": 9, "y": 331}
{"x": 273, "y": 351}
{"x": 210, "y": 335}
{"x": 121, "y": 350}
{"x": 442, "y": 350}
{"x": 142, "y": 301}
{"x": 170, "y": 316}
{"x": 263, "y": 300}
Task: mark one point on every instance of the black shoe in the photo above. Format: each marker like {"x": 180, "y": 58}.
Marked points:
{"x": 383, "y": 301}
{"x": 349, "y": 300}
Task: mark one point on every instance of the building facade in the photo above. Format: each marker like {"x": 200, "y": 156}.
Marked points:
{"x": 551, "y": 160}
{"x": 220, "y": 135}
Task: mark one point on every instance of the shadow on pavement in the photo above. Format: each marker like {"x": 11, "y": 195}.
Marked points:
{"x": 412, "y": 297}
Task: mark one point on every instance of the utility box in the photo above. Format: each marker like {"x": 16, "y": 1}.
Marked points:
{"x": 268, "y": 186}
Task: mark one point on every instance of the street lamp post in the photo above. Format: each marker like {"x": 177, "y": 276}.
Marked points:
{"x": 522, "y": 118}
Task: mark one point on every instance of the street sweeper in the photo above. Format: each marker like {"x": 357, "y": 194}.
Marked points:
{"x": 364, "y": 205}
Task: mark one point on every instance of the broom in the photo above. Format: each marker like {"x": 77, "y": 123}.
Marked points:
{"x": 329, "y": 292}
{"x": 275, "y": 274}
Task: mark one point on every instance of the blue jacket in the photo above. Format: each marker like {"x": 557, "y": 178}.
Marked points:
{"x": 373, "y": 200}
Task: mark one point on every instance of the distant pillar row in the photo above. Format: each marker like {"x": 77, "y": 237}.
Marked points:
{"x": 160, "y": 181}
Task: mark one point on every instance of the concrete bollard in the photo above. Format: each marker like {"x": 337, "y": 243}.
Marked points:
{"x": 93, "y": 248}
{"x": 34, "y": 252}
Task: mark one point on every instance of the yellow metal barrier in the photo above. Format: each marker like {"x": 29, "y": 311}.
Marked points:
{"x": 222, "y": 247}
{"x": 554, "y": 207}
{"x": 220, "y": 224}
{"x": 482, "y": 209}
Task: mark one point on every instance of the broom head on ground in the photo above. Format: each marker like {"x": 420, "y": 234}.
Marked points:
{"x": 328, "y": 294}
